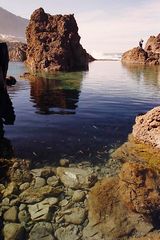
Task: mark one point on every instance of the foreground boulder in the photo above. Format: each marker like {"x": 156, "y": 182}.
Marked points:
{"x": 147, "y": 128}
{"x": 54, "y": 44}
{"x": 139, "y": 188}
{"x": 76, "y": 178}
{"x": 120, "y": 207}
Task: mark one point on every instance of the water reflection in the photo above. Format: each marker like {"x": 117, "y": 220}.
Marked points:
{"x": 7, "y": 117}
{"x": 149, "y": 74}
{"x": 56, "y": 94}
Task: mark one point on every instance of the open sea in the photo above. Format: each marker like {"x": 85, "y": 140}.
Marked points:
{"x": 81, "y": 115}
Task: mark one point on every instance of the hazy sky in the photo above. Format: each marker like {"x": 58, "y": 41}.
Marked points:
{"x": 104, "y": 25}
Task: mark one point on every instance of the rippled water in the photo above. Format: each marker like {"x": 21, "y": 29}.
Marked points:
{"x": 80, "y": 115}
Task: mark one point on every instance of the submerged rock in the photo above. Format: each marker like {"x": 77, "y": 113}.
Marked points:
{"x": 42, "y": 231}
{"x": 42, "y": 210}
{"x": 14, "y": 231}
{"x": 54, "y": 44}
{"x": 70, "y": 232}
{"x": 151, "y": 236}
{"x": 75, "y": 215}
{"x": 32, "y": 195}
{"x": 11, "y": 214}
{"x": 20, "y": 172}
{"x": 76, "y": 178}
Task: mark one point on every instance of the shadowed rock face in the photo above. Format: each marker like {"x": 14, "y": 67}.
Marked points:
{"x": 54, "y": 44}
{"x": 17, "y": 51}
{"x": 153, "y": 44}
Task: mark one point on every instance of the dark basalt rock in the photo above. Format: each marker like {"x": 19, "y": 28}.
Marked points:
{"x": 54, "y": 43}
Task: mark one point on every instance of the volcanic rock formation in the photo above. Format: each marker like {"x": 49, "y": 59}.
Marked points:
{"x": 150, "y": 55}
{"x": 135, "y": 55}
{"x": 147, "y": 128}
{"x": 54, "y": 44}
{"x": 17, "y": 51}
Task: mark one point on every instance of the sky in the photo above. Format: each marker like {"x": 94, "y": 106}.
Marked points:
{"x": 104, "y": 25}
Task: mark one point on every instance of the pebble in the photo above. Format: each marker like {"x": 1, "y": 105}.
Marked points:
{"x": 64, "y": 162}
{"x": 74, "y": 215}
{"x": 78, "y": 196}
{"x": 63, "y": 203}
{"x": 2, "y": 187}
{"x": 24, "y": 186}
{"x": 70, "y": 232}
{"x": 53, "y": 181}
{"x": 22, "y": 206}
{"x": 15, "y": 201}
{"x": 11, "y": 189}
{"x": 39, "y": 182}
{"x": 14, "y": 231}
{"x": 42, "y": 231}
{"x": 41, "y": 211}
{"x": 11, "y": 214}
{"x": 23, "y": 216}
{"x": 5, "y": 202}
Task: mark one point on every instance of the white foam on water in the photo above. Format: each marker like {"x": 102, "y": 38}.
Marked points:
{"x": 107, "y": 56}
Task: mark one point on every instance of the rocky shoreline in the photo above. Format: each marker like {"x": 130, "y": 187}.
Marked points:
{"x": 47, "y": 203}
{"x": 118, "y": 200}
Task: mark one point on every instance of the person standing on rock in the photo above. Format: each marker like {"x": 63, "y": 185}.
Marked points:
{"x": 141, "y": 43}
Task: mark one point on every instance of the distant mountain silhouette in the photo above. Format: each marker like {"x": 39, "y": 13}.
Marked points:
{"x": 11, "y": 24}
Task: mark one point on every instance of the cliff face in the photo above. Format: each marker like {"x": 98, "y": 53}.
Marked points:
{"x": 54, "y": 44}
{"x": 153, "y": 44}
{"x": 17, "y": 51}
{"x": 150, "y": 55}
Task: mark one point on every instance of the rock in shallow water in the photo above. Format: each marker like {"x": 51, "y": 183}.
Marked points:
{"x": 70, "y": 232}
{"x": 78, "y": 196}
{"x": 75, "y": 215}
{"x": 42, "y": 210}
{"x": 12, "y": 188}
{"x": 42, "y": 231}
{"x": 54, "y": 44}
{"x": 34, "y": 196}
{"x": 53, "y": 181}
{"x": 39, "y": 182}
{"x": 14, "y": 231}
{"x": 76, "y": 178}
{"x": 11, "y": 214}
{"x": 43, "y": 172}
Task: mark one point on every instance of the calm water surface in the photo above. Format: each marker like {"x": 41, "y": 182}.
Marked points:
{"x": 79, "y": 115}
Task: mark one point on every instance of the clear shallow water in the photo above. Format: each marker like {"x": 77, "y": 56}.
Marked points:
{"x": 80, "y": 115}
